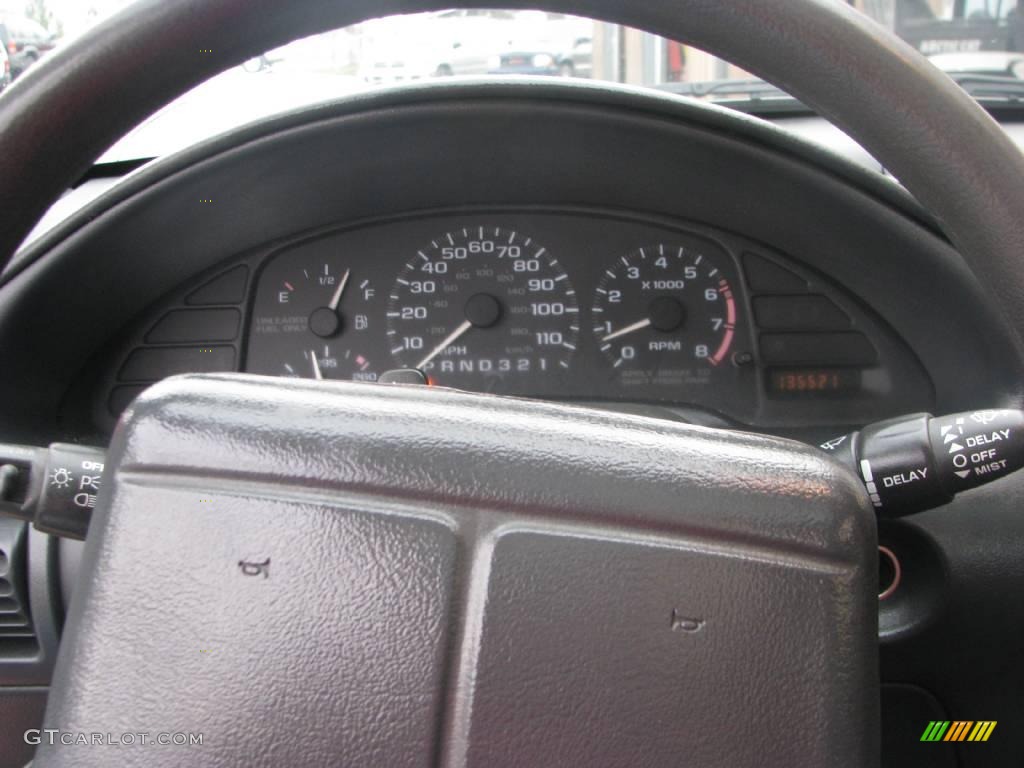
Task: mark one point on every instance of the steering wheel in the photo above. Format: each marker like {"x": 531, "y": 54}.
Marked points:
{"x": 402, "y": 576}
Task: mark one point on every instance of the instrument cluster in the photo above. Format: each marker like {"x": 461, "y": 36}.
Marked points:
{"x": 576, "y": 307}
{"x": 599, "y": 307}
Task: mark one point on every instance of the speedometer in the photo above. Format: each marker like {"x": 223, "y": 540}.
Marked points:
{"x": 482, "y": 303}
{"x": 665, "y": 312}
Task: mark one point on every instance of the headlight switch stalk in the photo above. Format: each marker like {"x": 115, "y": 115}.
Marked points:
{"x": 54, "y": 488}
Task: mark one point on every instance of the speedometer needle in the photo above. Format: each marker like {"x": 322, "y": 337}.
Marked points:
{"x": 316, "y": 366}
{"x": 336, "y": 298}
{"x": 450, "y": 339}
{"x": 628, "y": 329}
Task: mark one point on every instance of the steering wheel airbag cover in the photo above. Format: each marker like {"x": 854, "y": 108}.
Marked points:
{"x": 374, "y": 575}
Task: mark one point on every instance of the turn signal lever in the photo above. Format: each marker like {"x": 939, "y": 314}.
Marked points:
{"x": 913, "y": 463}
{"x": 907, "y": 465}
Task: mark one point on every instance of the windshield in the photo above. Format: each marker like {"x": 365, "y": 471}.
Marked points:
{"x": 971, "y": 39}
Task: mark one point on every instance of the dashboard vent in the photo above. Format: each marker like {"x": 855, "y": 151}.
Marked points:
{"x": 16, "y": 633}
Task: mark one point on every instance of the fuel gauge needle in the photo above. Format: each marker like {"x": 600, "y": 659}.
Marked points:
{"x": 628, "y": 329}
{"x": 336, "y": 298}
{"x": 316, "y": 366}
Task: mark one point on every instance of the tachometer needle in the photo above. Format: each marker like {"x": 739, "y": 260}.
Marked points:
{"x": 628, "y": 329}
{"x": 316, "y": 366}
{"x": 336, "y": 298}
{"x": 450, "y": 339}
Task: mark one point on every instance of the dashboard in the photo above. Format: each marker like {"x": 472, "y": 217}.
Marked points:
{"x": 626, "y": 252}
{"x": 570, "y": 305}
{"x": 631, "y": 252}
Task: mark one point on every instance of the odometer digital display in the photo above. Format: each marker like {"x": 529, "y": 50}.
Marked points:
{"x": 811, "y": 382}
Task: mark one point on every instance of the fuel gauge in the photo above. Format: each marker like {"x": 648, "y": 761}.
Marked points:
{"x": 311, "y": 319}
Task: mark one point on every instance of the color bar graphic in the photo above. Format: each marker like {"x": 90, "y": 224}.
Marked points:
{"x": 935, "y": 731}
{"x": 958, "y": 730}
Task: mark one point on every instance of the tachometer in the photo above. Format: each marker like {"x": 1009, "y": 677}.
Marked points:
{"x": 665, "y": 311}
{"x": 482, "y": 303}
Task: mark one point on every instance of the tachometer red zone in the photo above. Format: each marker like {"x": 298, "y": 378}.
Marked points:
{"x": 730, "y": 322}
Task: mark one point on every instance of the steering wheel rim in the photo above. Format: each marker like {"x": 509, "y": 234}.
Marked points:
{"x": 933, "y": 137}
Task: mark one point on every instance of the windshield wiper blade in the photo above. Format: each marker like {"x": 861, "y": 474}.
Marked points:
{"x": 990, "y": 87}
{"x": 753, "y": 97}
{"x": 758, "y": 97}
{"x": 723, "y": 89}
